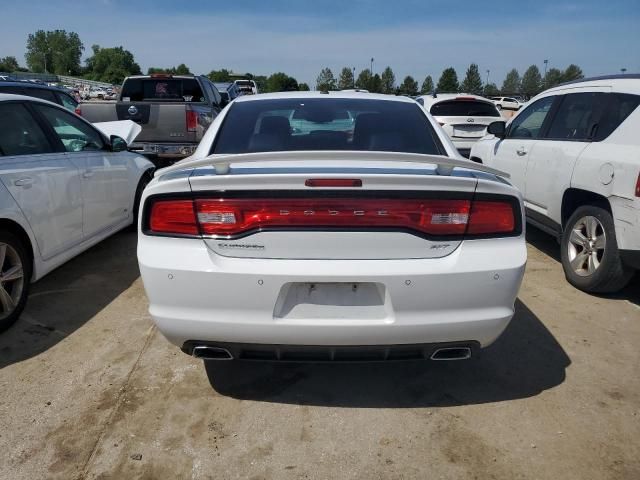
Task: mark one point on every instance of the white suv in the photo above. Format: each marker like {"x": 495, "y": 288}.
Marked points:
{"x": 507, "y": 103}
{"x": 574, "y": 152}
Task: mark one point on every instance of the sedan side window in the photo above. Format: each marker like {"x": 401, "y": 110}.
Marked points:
{"x": 75, "y": 135}
{"x": 529, "y": 122}
{"x": 20, "y": 134}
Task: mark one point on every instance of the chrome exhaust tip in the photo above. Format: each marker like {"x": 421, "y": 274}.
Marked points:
{"x": 452, "y": 353}
{"x": 205, "y": 352}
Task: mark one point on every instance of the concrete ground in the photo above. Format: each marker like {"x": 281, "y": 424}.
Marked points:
{"x": 90, "y": 390}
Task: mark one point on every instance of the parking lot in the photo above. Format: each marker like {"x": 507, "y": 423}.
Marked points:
{"x": 90, "y": 389}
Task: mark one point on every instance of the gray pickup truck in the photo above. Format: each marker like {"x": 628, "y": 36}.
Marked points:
{"x": 174, "y": 112}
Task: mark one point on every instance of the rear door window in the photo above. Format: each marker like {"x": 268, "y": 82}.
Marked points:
{"x": 67, "y": 102}
{"x": 618, "y": 107}
{"x": 464, "y": 108}
{"x": 577, "y": 117}
{"x": 20, "y": 134}
{"x": 42, "y": 93}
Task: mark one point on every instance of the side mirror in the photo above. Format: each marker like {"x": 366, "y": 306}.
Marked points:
{"x": 498, "y": 129}
{"x": 118, "y": 144}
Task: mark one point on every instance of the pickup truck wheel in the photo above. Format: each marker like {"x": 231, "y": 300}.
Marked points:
{"x": 15, "y": 275}
{"x": 589, "y": 252}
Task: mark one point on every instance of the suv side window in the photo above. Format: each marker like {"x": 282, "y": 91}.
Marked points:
{"x": 67, "y": 101}
{"x": 13, "y": 90}
{"x": 576, "y": 118}
{"x": 41, "y": 93}
{"x": 528, "y": 123}
{"x": 20, "y": 134}
{"x": 618, "y": 107}
{"x": 75, "y": 135}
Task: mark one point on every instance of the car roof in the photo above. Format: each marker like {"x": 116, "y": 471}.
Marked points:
{"x": 315, "y": 94}
{"x": 10, "y": 96}
{"x": 441, "y": 97}
{"x": 31, "y": 85}
{"x": 623, "y": 82}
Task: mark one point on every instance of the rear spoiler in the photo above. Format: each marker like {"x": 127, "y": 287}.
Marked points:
{"x": 222, "y": 163}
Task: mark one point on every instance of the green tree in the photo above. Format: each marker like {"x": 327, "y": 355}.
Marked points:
{"x": 572, "y": 72}
{"x": 345, "y": 80}
{"x": 472, "y": 82}
{"x": 531, "y": 81}
{"x": 553, "y": 77}
{"x": 409, "y": 86}
{"x": 511, "y": 84}
{"x": 427, "y": 85}
{"x": 281, "y": 82}
{"x": 56, "y": 51}
{"x": 491, "y": 90}
{"x": 182, "y": 69}
{"x": 376, "y": 84}
{"x": 448, "y": 81}
{"x": 303, "y": 87}
{"x": 219, "y": 75}
{"x": 111, "y": 65}
{"x": 388, "y": 81}
{"x": 364, "y": 79}
{"x": 326, "y": 81}
{"x": 9, "y": 64}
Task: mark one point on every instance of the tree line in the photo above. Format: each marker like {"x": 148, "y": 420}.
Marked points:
{"x": 531, "y": 83}
{"x": 59, "y": 52}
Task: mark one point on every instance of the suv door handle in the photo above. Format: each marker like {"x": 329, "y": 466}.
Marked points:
{"x": 23, "y": 182}
{"x": 87, "y": 174}
{"x": 521, "y": 151}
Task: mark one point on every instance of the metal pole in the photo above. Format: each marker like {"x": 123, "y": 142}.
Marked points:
{"x": 371, "y": 65}
{"x": 546, "y": 62}
{"x": 487, "y": 78}
{"x": 354, "y": 77}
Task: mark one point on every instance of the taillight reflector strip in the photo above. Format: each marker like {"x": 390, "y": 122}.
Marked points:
{"x": 333, "y": 182}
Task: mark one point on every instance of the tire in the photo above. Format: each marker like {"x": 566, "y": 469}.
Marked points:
{"x": 142, "y": 184}
{"x": 15, "y": 278}
{"x": 589, "y": 252}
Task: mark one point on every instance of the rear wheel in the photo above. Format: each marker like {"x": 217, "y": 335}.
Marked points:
{"x": 589, "y": 252}
{"x": 15, "y": 275}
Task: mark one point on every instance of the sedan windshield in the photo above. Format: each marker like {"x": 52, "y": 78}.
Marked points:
{"x": 326, "y": 124}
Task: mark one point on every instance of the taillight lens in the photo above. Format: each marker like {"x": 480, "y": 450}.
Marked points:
{"x": 491, "y": 217}
{"x": 192, "y": 120}
{"x": 78, "y": 111}
{"x": 173, "y": 216}
{"x": 430, "y": 217}
{"x": 638, "y": 186}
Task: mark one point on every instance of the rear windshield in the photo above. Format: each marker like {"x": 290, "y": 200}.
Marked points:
{"x": 162, "y": 89}
{"x": 326, "y": 124}
{"x": 464, "y": 108}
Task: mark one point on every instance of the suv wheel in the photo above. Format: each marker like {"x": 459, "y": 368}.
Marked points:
{"x": 589, "y": 252}
{"x": 15, "y": 275}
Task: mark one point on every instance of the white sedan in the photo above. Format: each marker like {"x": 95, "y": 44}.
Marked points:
{"x": 295, "y": 234}
{"x": 507, "y": 103}
{"x": 64, "y": 186}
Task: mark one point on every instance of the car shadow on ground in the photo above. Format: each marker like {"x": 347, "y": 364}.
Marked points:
{"x": 523, "y": 362}
{"x": 548, "y": 245}
{"x": 68, "y": 297}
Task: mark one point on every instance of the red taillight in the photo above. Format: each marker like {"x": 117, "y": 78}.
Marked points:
{"x": 173, "y": 216}
{"x": 333, "y": 182}
{"x": 192, "y": 120}
{"x": 491, "y": 217}
{"x": 78, "y": 111}
{"x": 430, "y": 217}
{"x": 638, "y": 186}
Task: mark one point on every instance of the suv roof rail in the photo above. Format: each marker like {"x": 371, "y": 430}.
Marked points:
{"x": 616, "y": 76}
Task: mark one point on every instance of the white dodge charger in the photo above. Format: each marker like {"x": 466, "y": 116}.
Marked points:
{"x": 330, "y": 227}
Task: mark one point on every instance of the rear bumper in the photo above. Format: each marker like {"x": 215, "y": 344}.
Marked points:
{"x": 164, "y": 149}
{"x": 195, "y": 294}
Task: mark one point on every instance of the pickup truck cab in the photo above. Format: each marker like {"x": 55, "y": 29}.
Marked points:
{"x": 174, "y": 112}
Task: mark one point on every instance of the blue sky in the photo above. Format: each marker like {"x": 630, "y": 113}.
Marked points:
{"x": 300, "y": 37}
